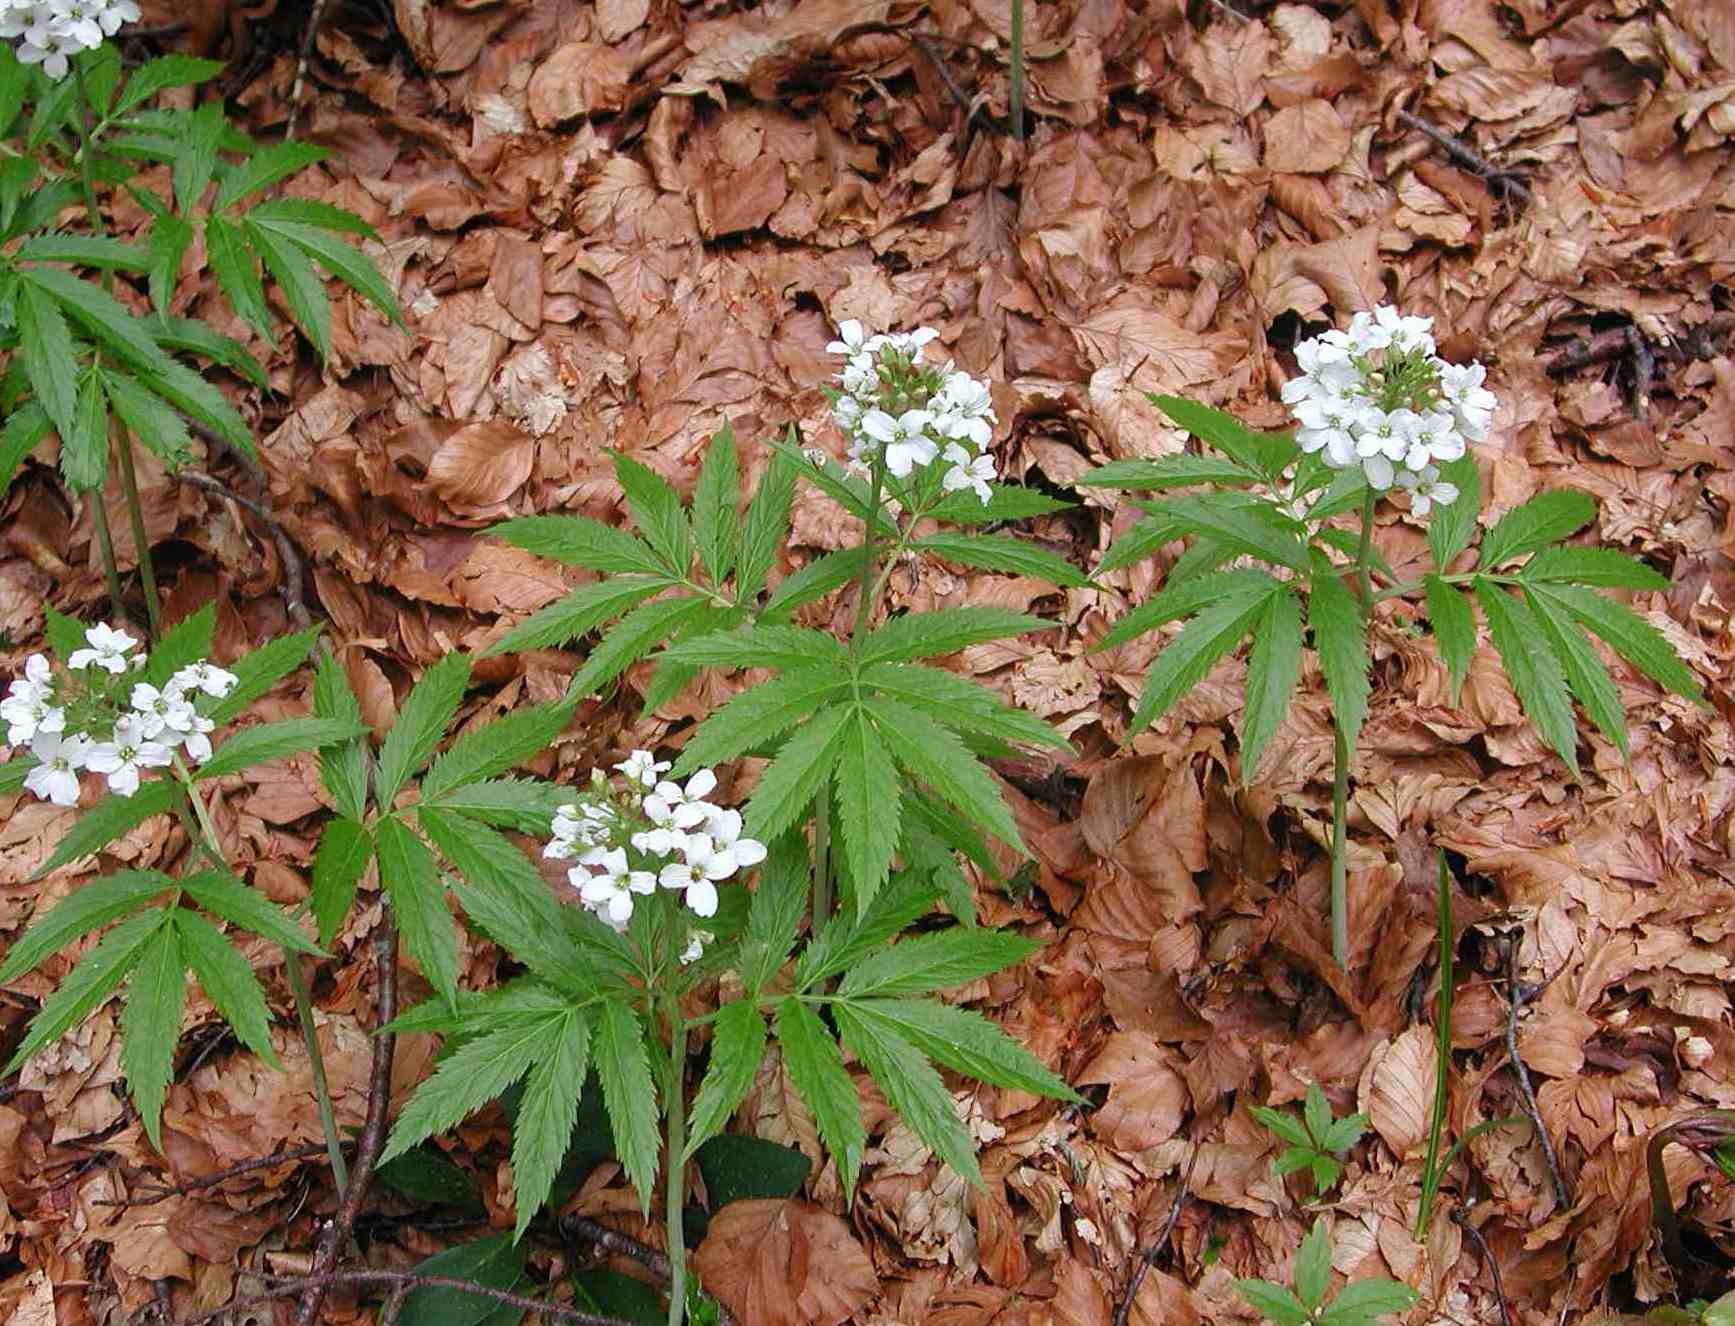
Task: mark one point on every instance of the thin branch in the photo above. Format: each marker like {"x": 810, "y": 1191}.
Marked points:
{"x": 1504, "y": 182}
{"x": 289, "y": 1284}
{"x": 1462, "y": 1220}
{"x": 1515, "y": 996}
{"x": 373, "y": 1133}
{"x": 294, "y": 601}
{"x": 221, "y": 1176}
{"x": 1148, "y": 1257}
{"x": 1644, "y": 365}
{"x": 652, "y": 1259}
{"x": 306, "y": 58}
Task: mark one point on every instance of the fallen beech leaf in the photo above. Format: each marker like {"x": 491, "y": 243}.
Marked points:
{"x": 580, "y": 78}
{"x": 785, "y": 1263}
{"x": 481, "y": 464}
{"x": 1147, "y": 1097}
{"x": 1398, "y": 1090}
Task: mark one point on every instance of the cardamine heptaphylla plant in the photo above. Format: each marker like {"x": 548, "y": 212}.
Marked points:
{"x": 1270, "y": 557}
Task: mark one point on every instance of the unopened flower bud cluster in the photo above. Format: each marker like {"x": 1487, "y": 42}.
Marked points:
{"x": 51, "y": 32}
{"x": 645, "y": 832}
{"x": 911, "y": 416}
{"x": 1378, "y": 396}
{"x": 93, "y": 716}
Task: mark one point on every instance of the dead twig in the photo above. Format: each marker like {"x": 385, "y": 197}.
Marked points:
{"x": 1148, "y": 1256}
{"x": 973, "y": 112}
{"x": 625, "y": 1245}
{"x": 289, "y": 1284}
{"x": 221, "y": 1176}
{"x": 373, "y": 1133}
{"x": 1461, "y": 1218}
{"x": 294, "y": 582}
{"x": 1644, "y": 368}
{"x": 1504, "y": 183}
{"x": 1515, "y": 999}
{"x": 314, "y": 19}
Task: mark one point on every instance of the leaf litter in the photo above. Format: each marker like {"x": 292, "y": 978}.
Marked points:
{"x": 618, "y": 225}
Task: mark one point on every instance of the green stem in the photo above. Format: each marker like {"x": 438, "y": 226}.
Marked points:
{"x": 675, "y": 1195}
{"x": 822, "y": 902}
{"x": 1342, "y": 755}
{"x": 204, "y": 835}
{"x": 122, "y": 443}
{"x": 105, "y": 549}
{"x": 1363, "y": 558}
{"x": 1017, "y": 108}
{"x": 1432, "y": 1170}
{"x": 865, "y": 600}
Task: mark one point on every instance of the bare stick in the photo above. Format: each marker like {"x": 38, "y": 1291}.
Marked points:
{"x": 1462, "y": 1220}
{"x": 1644, "y": 362}
{"x": 625, "y": 1245}
{"x": 1148, "y": 1257}
{"x": 313, "y": 21}
{"x": 294, "y": 602}
{"x": 971, "y": 110}
{"x": 1514, "y": 1004}
{"x": 222, "y": 1176}
{"x": 373, "y": 1133}
{"x": 289, "y": 1284}
{"x": 1504, "y": 182}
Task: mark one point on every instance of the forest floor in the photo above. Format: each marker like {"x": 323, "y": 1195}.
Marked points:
{"x": 624, "y": 224}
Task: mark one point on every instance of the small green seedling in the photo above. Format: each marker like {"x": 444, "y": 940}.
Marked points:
{"x": 1316, "y": 1140}
{"x": 1360, "y": 1303}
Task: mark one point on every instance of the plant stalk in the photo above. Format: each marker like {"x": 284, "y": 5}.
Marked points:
{"x": 105, "y": 550}
{"x": 204, "y": 835}
{"x": 865, "y": 598}
{"x": 1343, "y": 754}
{"x": 120, "y": 440}
{"x": 674, "y": 1197}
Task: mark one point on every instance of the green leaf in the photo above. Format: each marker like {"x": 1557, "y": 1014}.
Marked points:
{"x": 83, "y": 251}
{"x": 421, "y": 722}
{"x": 1005, "y": 502}
{"x": 1316, "y": 1110}
{"x": 65, "y": 634}
{"x": 79, "y": 913}
{"x": 1340, "y": 638}
{"x": 1186, "y": 660}
{"x": 522, "y": 804}
{"x": 162, "y": 73}
{"x": 196, "y": 153}
{"x": 933, "y": 634}
{"x": 472, "y": 1076}
{"x": 237, "y": 274}
{"x": 1313, "y": 1265}
{"x": 579, "y": 613}
{"x": 191, "y": 394}
{"x": 228, "y": 981}
{"x": 629, "y": 1095}
{"x": 221, "y": 893}
{"x": 995, "y": 552}
{"x": 764, "y": 529}
{"x": 1534, "y": 671}
{"x": 939, "y": 961}
{"x": 738, "y": 1168}
{"x": 427, "y": 1176}
{"x": 849, "y": 491}
{"x": 1346, "y": 492}
{"x": 958, "y": 703}
{"x": 187, "y": 641}
{"x": 867, "y": 802}
{"x": 89, "y": 984}
{"x": 274, "y": 741}
{"x": 51, "y": 364}
{"x": 485, "y": 751}
{"x": 1179, "y": 471}
{"x": 737, "y": 1047}
{"x": 1182, "y": 597}
{"x": 815, "y": 1067}
{"x": 1273, "y": 666}
{"x": 150, "y": 420}
{"x": 779, "y": 904}
{"x": 1344, "y": 1133}
{"x": 1284, "y": 1125}
{"x": 1629, "y": 635}
{"x": 311, "y": 212}
{"x": 580, "y": 541}
{"x": 22, "y": 433}
{"x": 345, "y": 848}
{"x": 1243, "y": 526}
{"x": 1139, "y": 542}
{"x": 1454, "y": 628}
{"x": 1268, "y": 453}
{"x": 716, "y": 525}
{"x": 111, "y": 817}
{"x": 150, "y": 1027}
{"x": 302, "y": 289}
{"x": 1274, "y": 1302}
{"x": 934, "y": 755}
{"x": 493, "y": 1263}
{"x": 657, "y": 512}
{"x": 259, "y": 670}
{"x": 788, "y": 786}
{"x": 1592, "y": 566}
{"x": 411, "y": 882}
{"x": 1357, "y": 1304}
{"x": 632, "y": 638}
{"x": 763, "y": 645}
{"x": 342, "y": 767}
{"x": 814, "y": 581}
{"x": 1544, "y": 519}
{"x": 1586, "y": 676}
{"x": 1453, "y": 526}
{"x": 195, "y": 337}
{"x": 349, "y": 265}
{"x": 546, "y": 1113}
{"x": 912, "y": 1087}
{"x": 965, "y": 1041}
{"x": 84, "y": 453}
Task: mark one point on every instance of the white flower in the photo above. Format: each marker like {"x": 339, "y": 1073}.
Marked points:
{"x": 55, "y": 778}
{"x": 123, "y": 757}
{"x": 161, "y": 710}
{"x": 1426, "y": 489}
{"x": 674, "y": 807}
{"x": 850, "y": 339}
{"x": 610, "y": 894}
{"x": 642, "y": 767}
{"x": 206, "y": 677}
{"x": 703, "y": 866}
{"x": 965, "y": 410}
{"x": 906, "y": 441}
{"x": 1471, "y": 402}
{"x": 1325, "y": 424}
{"x": 968, "y": 472}
{"x": 659, "y": 842}
{"x": 108, "y": 649}
{"x": 723, "y": 827}
{"x": 1433, "y": 438}
{"x": 861, "y": 376}
{"x": 29, "y": 705}
{"x": 195, "y": 736}
{"x": 1384, "y": 433}
{"x": 1380, "y": 472}
{"x": 696, "y": 941}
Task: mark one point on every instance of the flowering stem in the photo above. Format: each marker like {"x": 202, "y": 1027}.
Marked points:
{"x": 1342, "y": 753}
{"x": 204, "y": 835}
{"x": 122, "y": 442}
{"x": 1364, "y": 554}
{"x": 674, "y": 1197}
{"x": 105, "y": 549}
{"x": 865, "y": 598}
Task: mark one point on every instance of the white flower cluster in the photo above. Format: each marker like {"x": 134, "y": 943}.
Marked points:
{"x": 655, "y": 833}
{"x": 53, "y": 31}
{"x": 913, "y": 416}
{"x": 1378, "y": 396}
{"x": 143, "y": 735}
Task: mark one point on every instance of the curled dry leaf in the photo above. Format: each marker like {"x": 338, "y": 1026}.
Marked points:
{"x": 1147, "y": 1097}
{"x": 1397, "y": 1090}
{"x": 785, "y": 1263}
{"x": 481, "y": 464}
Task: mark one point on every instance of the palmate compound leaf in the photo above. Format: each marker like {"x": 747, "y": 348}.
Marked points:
{"x": 1533, "y": 669}
{"x": 941, "y": 960}
{"x": 813, "y": 582}
{"x": 1454, "y": 629}
{"x": 958, "y": 703}
{"x": 802, "y": 764}
{"x": 935, "y": 755}
{"x": 1628, "y": 634}
{"x": 422, "y": 720}
{"x": 1586, "y": 675}
{"x": 632, "y": 638}
{"x": 716, "y": 524}
{"x": 965, "y": 1041}
{"x": 738, "y": 1038}
{"x": 933, "y": 634}
{"x": 761, "y": 645}
{"x": 1248, "y": 525}
{"x": 1184, "y": 596}
{"x": 1179, "y": 471}
{"x": 1267, "y": 453}
{"x": 1544, "y": 519}
{"x": 546, "y": 1113}
{"x": 815, "y": 1067}
{"x": 345, "y": 848}
{"x": 775, "y": 915}
{"x": 581, "y": 541}
{"x": 1363, "y": 1302}
{"x": 343, "y": 768}
{"x": 997, "y": 552}
{"x": 257, "y": 671}
{"x": 222, "y": 894}
{"x": 1454, "y": 524}
{"x": 629, "y": 1095}
{"x": 912, "y": 1086}
{"x": 1273, "y": 667}
{"x": 763, "y": 531}
{"x": 1341, "y": 642}
{"x": 150, "y": 1026}
{"x": 1186, "y": 660}
{"x": 79, "y": 913}
{"x": 1592, "y": 566}
{"x": 1273, "y": 1302}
